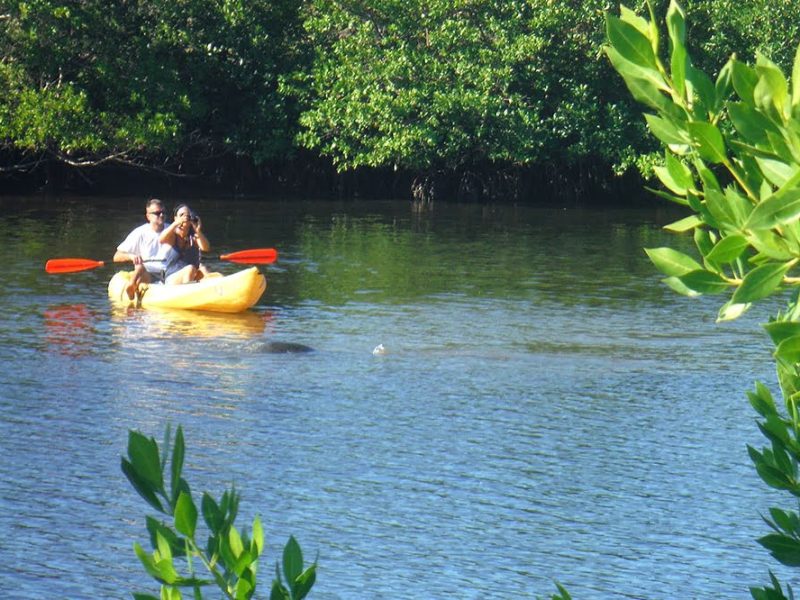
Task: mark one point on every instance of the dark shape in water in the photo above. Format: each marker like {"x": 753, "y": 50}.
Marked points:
{"x": 285, "y": 348}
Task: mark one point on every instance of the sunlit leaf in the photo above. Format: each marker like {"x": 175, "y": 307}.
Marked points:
{"x": 676, "y": 25}
{"x": 760, "y": 282}
{"x": 704, "y": 282}
{"x": 631, "y": 43}
{"x": 185, "y": 515}
{"x": 685, "y": 224}
{"x": 744, "y": 79}
{"x": 304, "y": 582}
{"x": 708, "y": 141}
{"x": 750, "y": 123}
{"x": 777, "y": 209}
{"x": 776, "y": 171}
{"x": 789, "y": 349}
{"x": 781, "y": 330}
{"x": 667, "y": 131}
{"x": 672, "y": 262}
{"x": 796, "y": 83}
{"x": 258, "y": 537}
{"x": 731, "y": 311}
{"x": 728, "y": 249}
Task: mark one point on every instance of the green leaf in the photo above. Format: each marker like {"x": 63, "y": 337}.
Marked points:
{"x": 750, "y": 123}
{"x": 632, "y": 71}
{"x": 143, "y": 487}
{"x": 156, "y": 528}
{"x": 786, "y": 521}
{"x": 243, "y": 590}
{"x": 760, "y": 282}
{"x": 147, "y": 561}
{"x": 185, "y": 515}
{"x": 781, "y": 330}
{"x": 761, "y": 400}
{"x": 796, "y": 83}
{"x": 728, "y": 249}
{"x": 678, "y": 286}
{"x": 772, "y": 90}
{"x": 235, "y": 542}
{"x": 776, "y": 171}
{"x": 702, "y": 89}
{"x": 292, "y": 562}
{"x": 279, "y": 592}
{"x": 178, "y": 452}
{"x": 784, "y": 549}
{"x": 704, "y": 282}
{"x": 304, "y": 582}
{"x": 788, "y": 349}
{"x": 143, "y": 455}
{"x": 212, "y": 514}
{"x": 731, "y": 311}
{"x": 779, "y": 208}
{"x": 724, "y": 85}
{"x": 728, "y": 214}
{"x": 667, "y": 131}
{"x": 745, "y": 79}
{"x": 640, "y": 23}
{"x": 685, "y": 224}
{"x": 672, "y": 262}
{"x": 675, "y": 176}
{"x": 708, "y": 141}
{"x": 631, "y": 43}
{"x": 258, "y": 537}
{"x": 676, "y": 25}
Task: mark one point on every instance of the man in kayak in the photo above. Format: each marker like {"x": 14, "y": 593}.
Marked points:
{"x": 143, "y": 248}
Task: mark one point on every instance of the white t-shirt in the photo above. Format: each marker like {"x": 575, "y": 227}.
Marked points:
{"x": 143, "y": 241}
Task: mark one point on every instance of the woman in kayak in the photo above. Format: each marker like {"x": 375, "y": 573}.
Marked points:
{"x": 185, "y": 235}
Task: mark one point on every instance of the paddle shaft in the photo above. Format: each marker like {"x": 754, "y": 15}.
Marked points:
{"x": 257, "y": 256}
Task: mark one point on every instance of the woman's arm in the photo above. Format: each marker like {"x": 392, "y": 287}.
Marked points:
{"x": 202, "y": 240}
{"x": 168, "y": 235}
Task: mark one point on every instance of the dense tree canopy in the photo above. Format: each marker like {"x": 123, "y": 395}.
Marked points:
{"x": 414, "y": 85}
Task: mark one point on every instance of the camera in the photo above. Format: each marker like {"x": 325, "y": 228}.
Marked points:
{"x": 194, "y": 218}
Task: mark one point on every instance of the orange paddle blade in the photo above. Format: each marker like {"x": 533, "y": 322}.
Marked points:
{"x": 258, "y": 256}
{"x": 71, "y": 265}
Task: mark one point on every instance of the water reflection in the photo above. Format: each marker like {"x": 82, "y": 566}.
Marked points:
{"x": 191, "y": 324}
{"x": 69, "y": 329}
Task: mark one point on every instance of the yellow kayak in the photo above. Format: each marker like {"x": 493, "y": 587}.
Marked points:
{"x": 216, "y": 293}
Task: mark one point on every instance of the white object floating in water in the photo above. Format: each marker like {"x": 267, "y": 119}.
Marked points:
{"x": 379, "y": 350}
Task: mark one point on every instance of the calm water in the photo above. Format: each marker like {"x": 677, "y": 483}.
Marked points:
{"x": 545, "y": 411}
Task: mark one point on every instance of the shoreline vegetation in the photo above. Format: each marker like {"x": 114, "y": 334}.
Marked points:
{"x": 479, "y": 101}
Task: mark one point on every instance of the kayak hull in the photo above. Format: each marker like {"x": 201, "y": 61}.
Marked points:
{"x": 227, "y": 294}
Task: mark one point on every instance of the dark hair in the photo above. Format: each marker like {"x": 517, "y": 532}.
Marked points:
{"x": 180, "y": 206}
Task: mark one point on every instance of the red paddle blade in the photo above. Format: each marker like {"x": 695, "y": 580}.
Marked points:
{"x": 256, "y": 256}
{"x": 71, "y": 265}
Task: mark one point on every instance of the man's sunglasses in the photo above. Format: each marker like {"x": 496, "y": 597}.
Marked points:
{"x": 157, "y": 213}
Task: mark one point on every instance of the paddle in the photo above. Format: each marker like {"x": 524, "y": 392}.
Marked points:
{"x": 254, "y": 256}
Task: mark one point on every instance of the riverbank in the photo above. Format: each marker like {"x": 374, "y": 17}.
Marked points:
{"x": 589, "y": 183}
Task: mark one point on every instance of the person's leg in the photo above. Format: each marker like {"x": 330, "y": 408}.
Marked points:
{"x": 185, "y": 275}
{"x": 139, "y": 275}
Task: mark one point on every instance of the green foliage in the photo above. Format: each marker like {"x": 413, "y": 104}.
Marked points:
{"x": 93, "y": 78}
{"x": 431, "y": 84}
{"x": 229, "y": 556}
{"x": 733, "y": 158}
